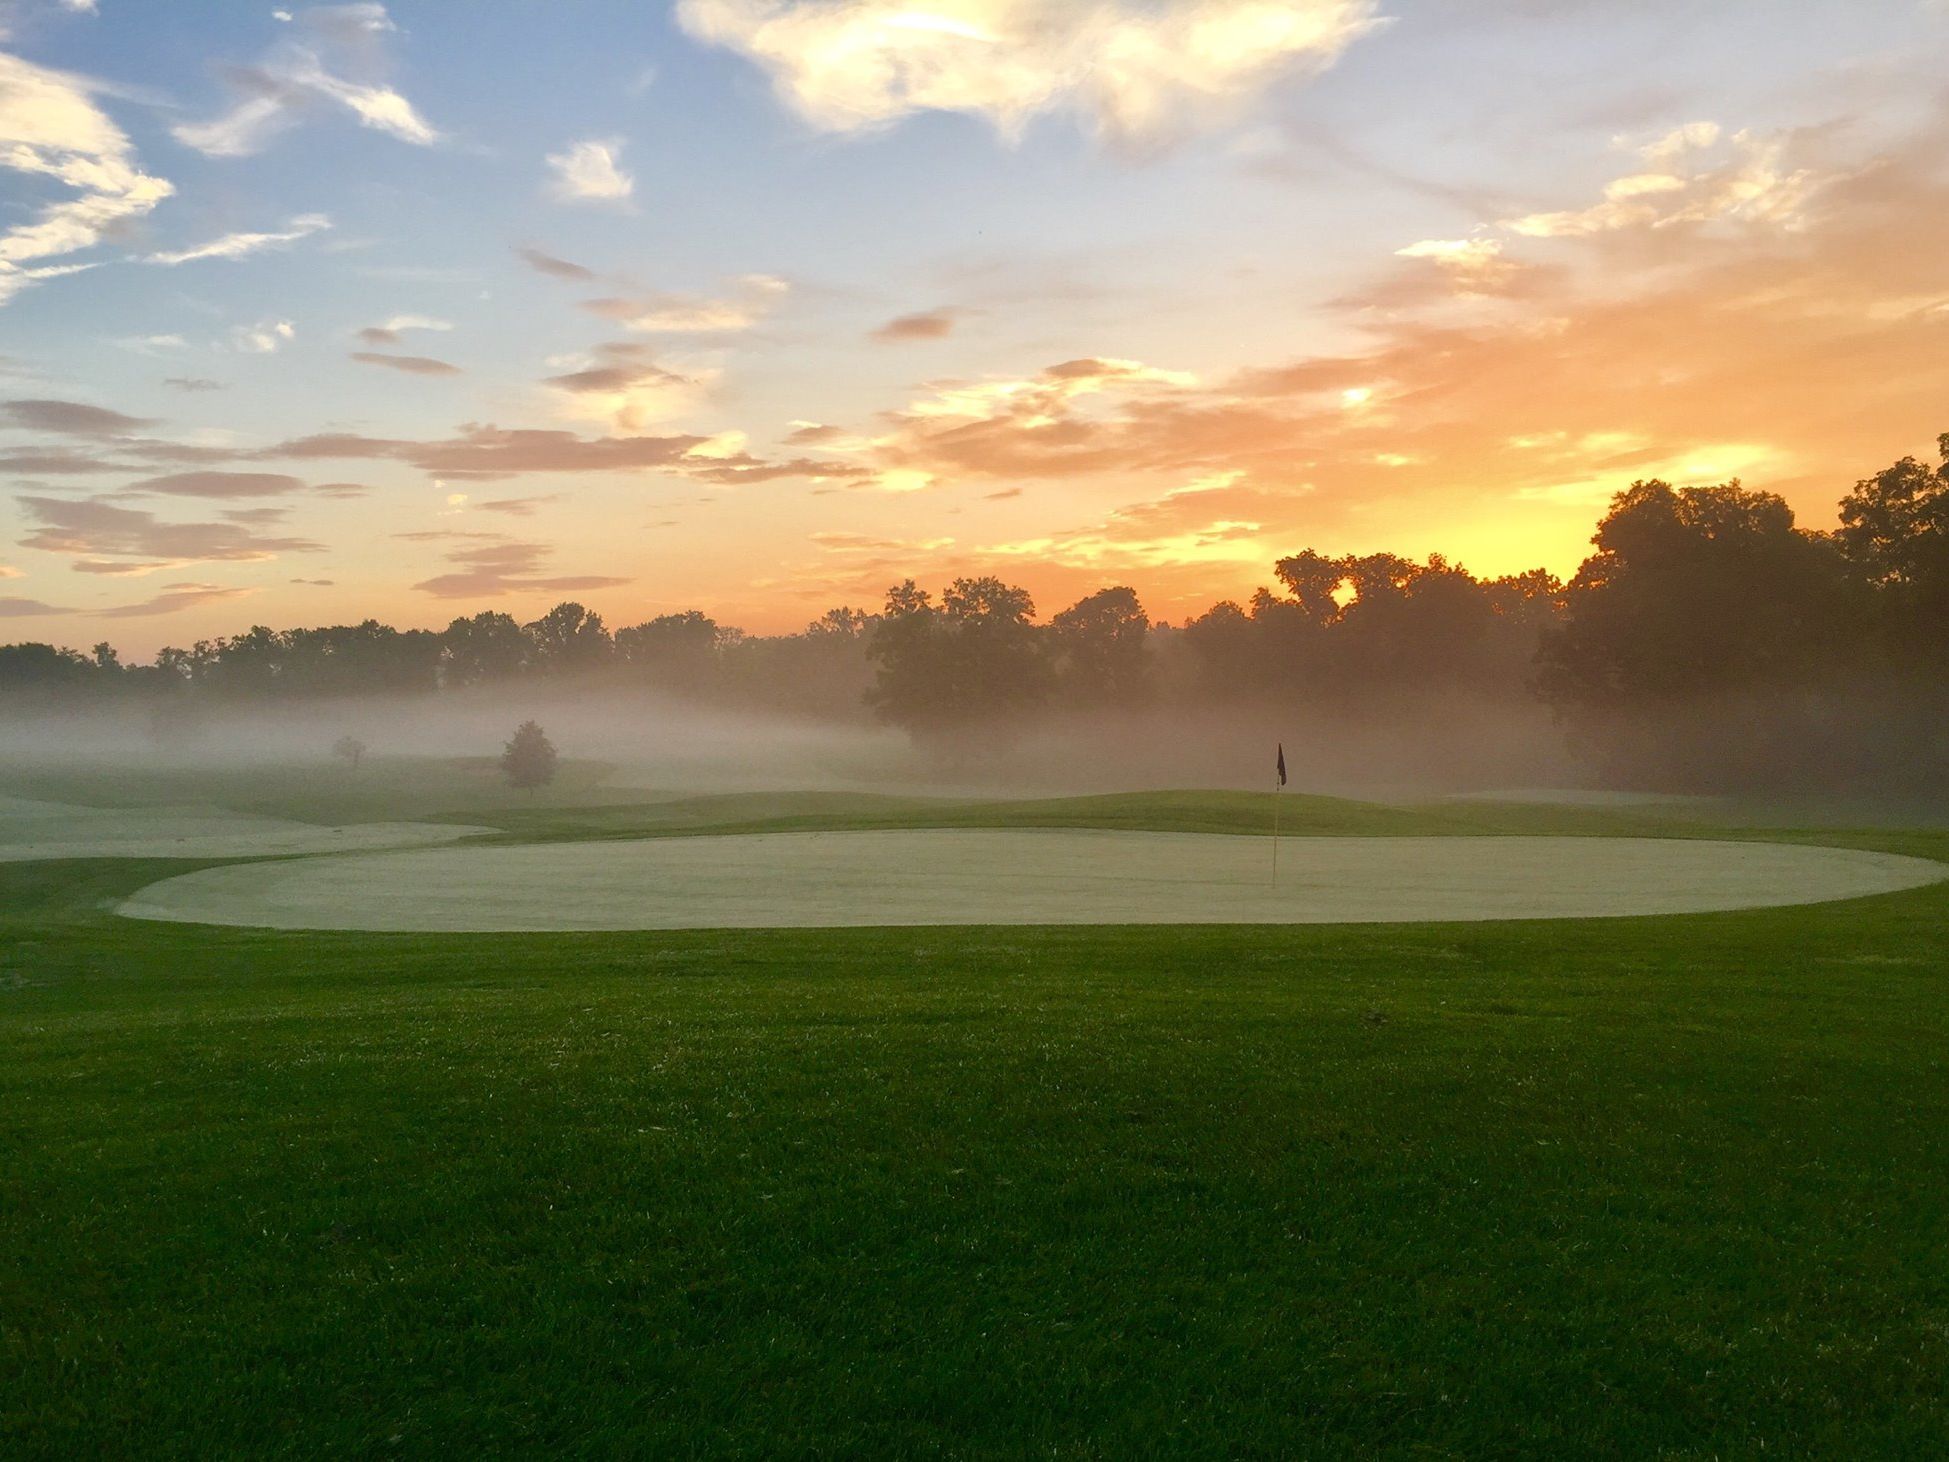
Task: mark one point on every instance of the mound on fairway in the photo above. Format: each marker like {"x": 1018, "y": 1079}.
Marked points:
{"x": 993, "y": 876}
{"x": 32, "y": 830}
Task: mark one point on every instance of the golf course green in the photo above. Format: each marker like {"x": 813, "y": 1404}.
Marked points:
{"x": 1671, "y": 1185}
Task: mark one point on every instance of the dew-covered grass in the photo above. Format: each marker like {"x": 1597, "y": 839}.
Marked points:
{"x": 1664, "y": 1186}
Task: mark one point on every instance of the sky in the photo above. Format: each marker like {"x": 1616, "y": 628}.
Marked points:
{"x": 407, "y": 311}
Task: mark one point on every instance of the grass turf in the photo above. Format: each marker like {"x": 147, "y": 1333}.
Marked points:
{"x": 1663, "y": 1186}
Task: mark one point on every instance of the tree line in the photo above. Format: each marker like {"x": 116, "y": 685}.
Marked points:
{"x": 1706, "y": 629}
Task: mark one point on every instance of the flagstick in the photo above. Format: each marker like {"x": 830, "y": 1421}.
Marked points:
{"x": 1275, "y": 835}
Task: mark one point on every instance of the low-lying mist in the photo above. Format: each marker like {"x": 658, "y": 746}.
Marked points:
{"x": 663, "y": 744}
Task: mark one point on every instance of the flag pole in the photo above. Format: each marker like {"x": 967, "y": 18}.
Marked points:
{"x": 1278, "y": 781}
{"x": 1275, "y": 835}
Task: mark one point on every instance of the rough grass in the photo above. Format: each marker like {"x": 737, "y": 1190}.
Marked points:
{"x": 1632, "y": 1187}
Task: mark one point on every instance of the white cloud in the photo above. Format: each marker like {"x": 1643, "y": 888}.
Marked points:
{"x": 1474, "y": 265}
{"x": 1688, "y": 176}
{"x": 50, "y": 127}
{"x": 1462, "y": 255}
{"x": 1135, "y": 73}
{"x": 263, "y": 338}
{"x": 295, "y": 76}
{"x": 236, "y": 245}
{"x": 588, "y": 173}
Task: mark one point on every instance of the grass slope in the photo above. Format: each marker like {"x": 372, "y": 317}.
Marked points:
{"x": 1660, "y": 1186}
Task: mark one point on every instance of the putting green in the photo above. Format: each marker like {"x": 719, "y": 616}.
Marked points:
{"x": 994, "y": 876}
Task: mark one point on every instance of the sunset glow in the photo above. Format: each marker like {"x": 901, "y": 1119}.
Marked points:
{"x": 759, "y": 306}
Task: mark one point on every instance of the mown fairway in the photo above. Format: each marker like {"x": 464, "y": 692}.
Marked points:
{"x": 1671, "y": 1185}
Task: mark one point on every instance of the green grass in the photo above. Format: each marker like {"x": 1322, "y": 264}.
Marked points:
{"x": 1625, "y": 1187}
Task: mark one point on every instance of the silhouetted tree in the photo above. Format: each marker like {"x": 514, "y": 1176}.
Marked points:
{"x": 840, "y": 624}
{"x": 1226, "y": 648}
{"x": 34, "y": 666}
{"x": 676, "y": 650}
{"x": 528, "y": 760}
{"x": 350, "y": 750}
{"x": 1895, "y": 531}
{"x": 489, "y": 646}
{"x": 569, "y": 639}
{"x": 996, "y": 663}
{"x": 1314, "y": 582}
{"x": 975, "y": 660}
{"x": 1100, "y": 653}
{"x": 1695, "y": 590}
{"x": 1357, "y": 633}
{"x": 821, "y": 671}
{"x": 909, "y": 686}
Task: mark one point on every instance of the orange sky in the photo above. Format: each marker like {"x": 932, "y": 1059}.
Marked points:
{"x": 762, "y": 315}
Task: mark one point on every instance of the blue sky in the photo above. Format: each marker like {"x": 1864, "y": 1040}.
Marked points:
{"x": 1185, "y": 287}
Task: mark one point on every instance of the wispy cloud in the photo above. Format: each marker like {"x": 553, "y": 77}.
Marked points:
{"x": 217, "y": 484}
{"x": 295, "y": 77}
{"x": 555, "y": 268}
{"x": 389, "y": 332}
{"x": 237, "y": 245}
{"x": 489, "y": 452}
{"x": 1692, "y": 174}
{"x": 754, "y": 297}
{"x": 923, "y": 325}
{"x": 173, "y": 598}
{"x": 14, "y": 606}
{"x": 263, "y": 338}
{"x": 157, "y": 345}
{"x": 56, "y": 462}
{"x": 412, "y": 365}
{"x": 488, "y": 566}
{"x": 1475, "y": 264}
{"x": 70, "y": 418}
{"x": 516, "y": 507}
{"x": 50, "y": 127}
{"x": 95, "y": 529}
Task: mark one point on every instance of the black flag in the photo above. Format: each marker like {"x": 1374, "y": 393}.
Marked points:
{"x": 1282, "y": 763}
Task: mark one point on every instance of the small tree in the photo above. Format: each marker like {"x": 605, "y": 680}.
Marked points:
{"x": 529, "y": 760}
{"x": 350, "y": 750}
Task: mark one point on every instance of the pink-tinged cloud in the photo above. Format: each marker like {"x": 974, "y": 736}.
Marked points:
{"x": 924, "y": 325}
{"x": 70, "y": 418}
{"x": 555, "y": 268}
{"x": 93, "y": 529}
{"x": 490, "y": 567}
{"x": 173, "y": 599}
{"x": 412, "y": 365}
